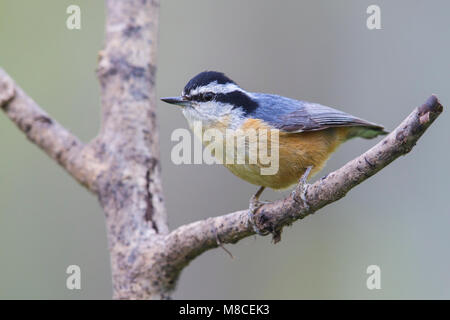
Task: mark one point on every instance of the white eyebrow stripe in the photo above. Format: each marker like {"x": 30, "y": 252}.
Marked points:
{"x": 215, "y": 88}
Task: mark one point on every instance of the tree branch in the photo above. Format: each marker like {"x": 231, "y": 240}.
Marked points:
{"x": 188, "y": 241}
{"x": 61, "y": 145}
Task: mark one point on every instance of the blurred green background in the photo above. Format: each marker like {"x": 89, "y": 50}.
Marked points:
{"x": 319, "y": 51}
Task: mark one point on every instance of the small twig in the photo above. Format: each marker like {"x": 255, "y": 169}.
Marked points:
{"x": 220, "y": 244}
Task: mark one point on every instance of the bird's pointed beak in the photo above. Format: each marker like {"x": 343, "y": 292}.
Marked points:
{"x": 179, "y": 101}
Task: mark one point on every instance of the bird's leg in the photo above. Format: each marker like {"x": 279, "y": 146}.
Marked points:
{"x": 254, "y": 200}
{"x": 302, "y": 187}
{"x": 254, "y": 205}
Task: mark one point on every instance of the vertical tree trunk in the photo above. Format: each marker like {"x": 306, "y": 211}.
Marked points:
{"x": 130, "y": 189}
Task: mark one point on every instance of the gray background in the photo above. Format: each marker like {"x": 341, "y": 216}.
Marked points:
{"x": 319, "y": 51}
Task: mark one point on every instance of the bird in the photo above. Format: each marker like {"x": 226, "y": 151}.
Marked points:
{"x": 308, "y": 133}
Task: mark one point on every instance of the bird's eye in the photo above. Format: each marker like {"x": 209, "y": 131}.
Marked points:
{"x": 208, "y": 96}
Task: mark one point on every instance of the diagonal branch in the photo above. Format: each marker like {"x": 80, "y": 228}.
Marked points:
{"x": 188, "y": 241}
{"x": 47, "y": 134}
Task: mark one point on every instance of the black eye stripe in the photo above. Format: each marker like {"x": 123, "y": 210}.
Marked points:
{"x": 238, "y": 99}
{"x": 202, "y": 97}
{"x": 194, "y": 97}
{"x": 235, "y": 98}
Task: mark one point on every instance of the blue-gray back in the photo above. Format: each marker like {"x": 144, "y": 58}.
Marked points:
{"x": 296, "y": 116}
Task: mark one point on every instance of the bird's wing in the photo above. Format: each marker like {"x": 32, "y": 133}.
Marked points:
{"x": 314, "y": 117}
{"x": 291, "y": 115}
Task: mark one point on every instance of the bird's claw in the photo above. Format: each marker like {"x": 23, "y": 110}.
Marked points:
{"x": 254, "y": 205}
{"x": 303, "y": 187}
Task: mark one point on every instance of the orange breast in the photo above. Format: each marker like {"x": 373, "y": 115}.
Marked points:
{"x": 297, "y": 151}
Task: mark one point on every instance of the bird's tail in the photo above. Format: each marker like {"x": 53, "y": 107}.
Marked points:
{"x": 367, "y": 132}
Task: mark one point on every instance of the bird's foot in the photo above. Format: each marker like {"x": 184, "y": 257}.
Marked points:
{"x": 254, "y": 205}
{"x": 302, "y": 187}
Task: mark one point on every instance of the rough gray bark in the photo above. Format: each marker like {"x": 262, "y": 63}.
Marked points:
{"x": 130, "y": 190}
{"x": 121, "y": 165}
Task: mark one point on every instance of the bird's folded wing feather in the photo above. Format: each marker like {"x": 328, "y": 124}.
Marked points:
{"x": 298, "y": 116}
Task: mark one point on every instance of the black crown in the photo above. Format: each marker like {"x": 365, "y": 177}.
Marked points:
{"x": 206, "y": 77}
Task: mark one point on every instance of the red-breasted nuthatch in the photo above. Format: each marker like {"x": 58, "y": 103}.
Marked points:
{"x": 308, "y": 132}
